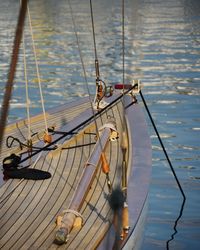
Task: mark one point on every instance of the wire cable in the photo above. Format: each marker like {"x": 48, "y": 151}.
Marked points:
{"x": 94, "y": 39}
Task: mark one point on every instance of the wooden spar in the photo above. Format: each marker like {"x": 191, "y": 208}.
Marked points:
{"x": 13, "y": 65}
{"x": 83, "y": 186}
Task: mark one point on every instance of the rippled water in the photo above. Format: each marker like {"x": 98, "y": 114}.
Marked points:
{"x": 162, "y": 49}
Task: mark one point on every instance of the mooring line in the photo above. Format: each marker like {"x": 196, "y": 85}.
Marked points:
{"x": 162, "y": 145}
{"x": 176, "y": 223}
{"x": 172, "y": 169}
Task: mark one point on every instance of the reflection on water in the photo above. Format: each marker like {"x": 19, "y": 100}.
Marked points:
{"x": 162, "y": 49}
{"x": 175, "y": 224}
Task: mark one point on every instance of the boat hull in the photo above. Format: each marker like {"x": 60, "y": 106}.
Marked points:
{"x": 29, "y": 208}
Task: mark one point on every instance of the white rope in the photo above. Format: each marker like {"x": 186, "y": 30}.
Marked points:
{"x": 27, "y": 94}
{"x": 76, "y": 213}
{"x": 37, "y": 70}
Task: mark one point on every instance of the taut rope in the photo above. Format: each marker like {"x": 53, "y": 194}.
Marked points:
{"x": 65, "y": 134}
{"x": 83, "y": 67}
{"x": 27, "y": 93}
{"x": 37, "y": 71}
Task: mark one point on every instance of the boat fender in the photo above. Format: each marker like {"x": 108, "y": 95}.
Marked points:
{"x": 11, "y": 162}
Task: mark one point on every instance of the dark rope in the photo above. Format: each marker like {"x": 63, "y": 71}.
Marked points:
{"x": 93, "y": 32}
{"x": 79, "y": 126}
{"x": 162, "y": 145}
{"x": 176, "y": 223}
{"x": 13, "y": 65}
{"x": 79, "y": 146}
{"x": 9, "y": 144}
{"x": 132, "y": 103}
{"x": 53, "y": 131}
{"x": 172, "y": 169}
{"x": 89, "y": 133}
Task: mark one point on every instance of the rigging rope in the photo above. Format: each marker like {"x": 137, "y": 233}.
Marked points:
{"x": 27, "y": 93}
{"x": 98, "y": 98}
{"x": 123, "y": 61}
{"x": 37, "y": 71}
{"x": 80, "y": 54}
{"x": 82, "y": 62}
{"x": 11, "y": 139}
{"x": 81, "y": 57}
{"x": 65, "y": 134}
{"x": 12, "y": 69}
{"x": 94, "y": 39}
{"x": 101, "y": 87}
{"x": 123, "y": 46}
{"x": 83, "y": 67}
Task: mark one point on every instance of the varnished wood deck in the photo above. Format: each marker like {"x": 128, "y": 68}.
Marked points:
{"x": 27, "y": 218}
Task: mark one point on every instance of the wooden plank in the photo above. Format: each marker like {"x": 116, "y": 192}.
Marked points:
{"x": 37, "y": 204}
{"x": 64, "y": 191}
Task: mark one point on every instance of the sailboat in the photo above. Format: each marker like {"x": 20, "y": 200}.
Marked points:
{"x": 83, "y": 181}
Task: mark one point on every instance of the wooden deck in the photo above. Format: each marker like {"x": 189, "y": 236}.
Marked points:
{"x": 29, "y": 208}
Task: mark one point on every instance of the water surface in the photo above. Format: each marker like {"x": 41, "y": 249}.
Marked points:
{"x": 162, "y": 49}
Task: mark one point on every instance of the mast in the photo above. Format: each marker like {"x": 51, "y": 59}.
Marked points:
{"x": 12, "y": 69}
